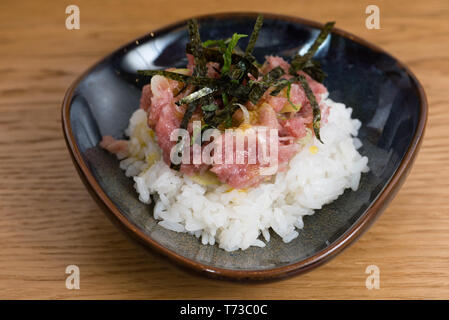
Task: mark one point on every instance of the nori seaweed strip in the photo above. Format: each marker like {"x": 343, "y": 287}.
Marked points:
{"x": 298, "y": 61}
{"x": 257, "y": 91}
{"x": 200, "y": 68}
{"x": 237, "y": 72}
{"x": 279, "y": 86}
{"x": 172, "y": 75}
{"x": 259, "y": 88}
{"x": 237, "y": 90}
{"x": 224, "y": 115}
{"x": 273, "y": 75}
{"x": 215, "y": 55}
{"x": 197, "y": 48}
{"x": 313, "y": 69}
{"x": 191, "y": 107}
{"x": 196, "y": 95}
{"x": 232, "y": 89}
{"x": 252, "y": 40}
{"x": 184, "y": 87}
{"x": 315, "y": 107}
{"x": 320, "y": 39}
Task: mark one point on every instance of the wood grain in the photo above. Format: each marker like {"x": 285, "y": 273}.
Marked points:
{"x": 49, "y": 221}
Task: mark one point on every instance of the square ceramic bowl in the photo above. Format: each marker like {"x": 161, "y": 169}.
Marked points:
{"x": 382, "y": 91}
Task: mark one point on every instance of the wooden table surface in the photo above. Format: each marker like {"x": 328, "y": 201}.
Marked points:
{"x": 49, "y": 221}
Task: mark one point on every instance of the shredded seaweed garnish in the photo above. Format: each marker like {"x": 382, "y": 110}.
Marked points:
{"x": 315, "y": 107}
{"x": 256, "y": 92}
{"x": 273, "y": 75}
{"x": 196, "y": 96}
{"x": 313, "y": 69}
{"x": 238, "y": 81}
{"x": 299, "y": 62}
{"x": 231, "y": 89}
{"x": 200, "y": 69}
{"x": 253, "y": 39}
{"x": 258, "y": 88}
{"x": 216, "y": 55}
{"x": 197, "y": 49}
{"x": 223, "y": 117}
{"x": 191, "y": 107}
{"x": 237, "y": 72}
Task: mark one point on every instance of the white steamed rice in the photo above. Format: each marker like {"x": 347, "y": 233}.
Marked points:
{"x": 237, "y": 219}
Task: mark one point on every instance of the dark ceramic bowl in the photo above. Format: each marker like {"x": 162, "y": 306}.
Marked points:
{"x": 384, "y": 94}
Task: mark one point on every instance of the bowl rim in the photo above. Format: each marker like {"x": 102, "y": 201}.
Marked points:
{"x": 315, "y": 260}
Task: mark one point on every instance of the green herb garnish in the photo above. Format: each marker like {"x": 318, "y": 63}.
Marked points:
{"x": 220, "y": 43}
{"x": 224, "y": 97}
{"x": 227, "y": 55}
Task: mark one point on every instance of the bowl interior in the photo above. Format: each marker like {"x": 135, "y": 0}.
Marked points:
{"x": 383, "y": 96}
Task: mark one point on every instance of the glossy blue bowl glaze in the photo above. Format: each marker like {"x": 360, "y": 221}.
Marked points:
{"x": 383, "y": 93}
